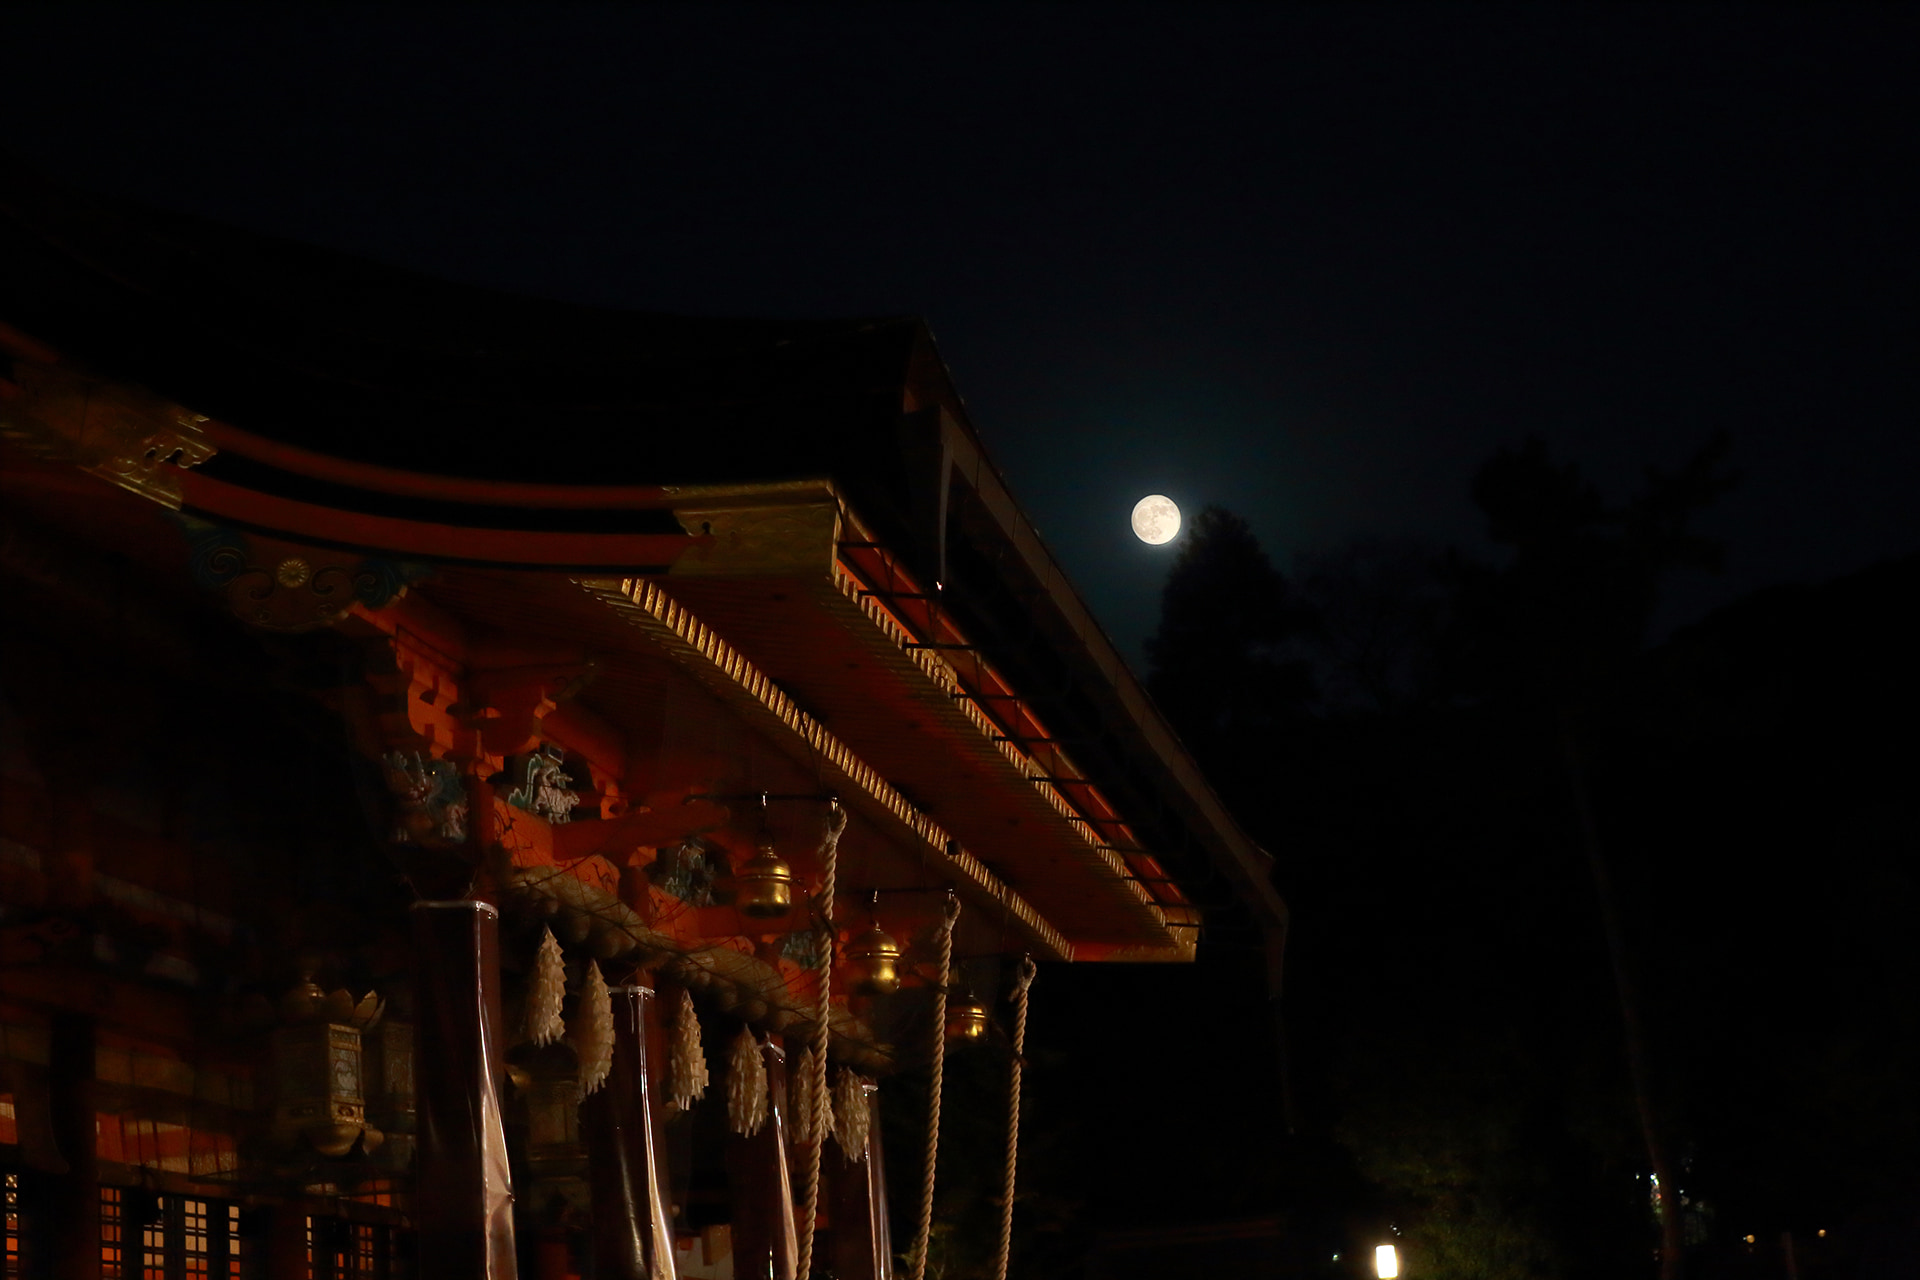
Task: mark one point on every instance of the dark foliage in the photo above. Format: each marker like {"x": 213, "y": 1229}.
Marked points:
{"x": 1391, "y": 728}
{"x": 1221, "y": 664}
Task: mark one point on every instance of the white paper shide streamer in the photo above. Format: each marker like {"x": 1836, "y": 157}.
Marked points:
{"x": 802, "y": 1085}
{"x": 545, "y": 993}
{"x": 686, "y": 1060}
{"x": 593, "y": 1031}
{"x": 850, "y": 1118}
{"x": 746, "y": 1085}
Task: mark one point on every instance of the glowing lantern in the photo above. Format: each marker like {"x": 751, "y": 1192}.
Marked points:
{"x": 1386, "y": 1262}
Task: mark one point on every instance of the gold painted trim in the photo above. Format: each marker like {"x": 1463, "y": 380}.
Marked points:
{"x": 757, "y": 493}
{"x": 723, "y": 668}
{"x": 792, "y": 538}
{"x": 122, "y": 433}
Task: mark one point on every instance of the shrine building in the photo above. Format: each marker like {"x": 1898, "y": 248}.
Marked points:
{"x": 491, "y": 787}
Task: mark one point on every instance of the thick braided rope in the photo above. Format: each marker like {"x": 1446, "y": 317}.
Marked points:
{"x": 1022, "y": 981}
{"x": 924, "y": 1234}
{"x": 816, "y": 1135}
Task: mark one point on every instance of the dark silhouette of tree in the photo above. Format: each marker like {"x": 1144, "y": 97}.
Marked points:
{"x": 1406, "y": 730}
{"x": 1459, "y": 762}
{"x": 1375, "y": 610}
{"x": 1556, "y": 629}
{"x": 1774, "y": 809}
{"x": 1559, "y": 622}
{"x": 1220, "y": 664}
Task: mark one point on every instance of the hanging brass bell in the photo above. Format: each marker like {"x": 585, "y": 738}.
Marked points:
{"x": 874, "y": 960}
{"x": 966, "y": 1019}
{"x": 765, "y": 884}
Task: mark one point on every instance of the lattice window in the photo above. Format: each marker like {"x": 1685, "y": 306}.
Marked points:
{"x": 195, "y": 1260}
{"x": 145, "y": 1237}
{"x": 153, "y": 1246}
{"x": 342, "y": 1250}
{"x": 365, "y": 1256}
{"x": 113, "y": 1241}
{"x": 237, "y": 1257}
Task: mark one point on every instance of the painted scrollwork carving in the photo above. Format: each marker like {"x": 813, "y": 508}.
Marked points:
{"x": 430, "y": 798}
{"x": 804, "y": 947}
{"x": 281, "y": 587}
{"x": 539, "y": 783}
{"x": 688, "y": 871}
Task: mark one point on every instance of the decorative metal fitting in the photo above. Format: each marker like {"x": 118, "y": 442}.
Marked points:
{"x": 874, "y": 960}
{"x": 967, "y": 1019}
{"x": 765, "y": 884}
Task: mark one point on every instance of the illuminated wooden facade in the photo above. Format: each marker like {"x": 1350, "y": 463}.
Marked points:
{"x": 363, "y": 629}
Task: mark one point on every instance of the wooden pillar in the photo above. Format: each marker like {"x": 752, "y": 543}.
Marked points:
{"x": 764, "y": 1241}
{"x": 463, "y": 1190}
{"x": 285, "y": 1242}
{"x": 73, "y": 1200}
{"x": 632, "y": 1239}
{"x": 862, "y": 1237}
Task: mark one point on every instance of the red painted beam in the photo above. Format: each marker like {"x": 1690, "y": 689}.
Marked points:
{"x": 413, "y": 484}
{"x": 626, "y": 552}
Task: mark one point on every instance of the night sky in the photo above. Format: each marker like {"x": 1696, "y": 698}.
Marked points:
{"x": 1314, "y": 265}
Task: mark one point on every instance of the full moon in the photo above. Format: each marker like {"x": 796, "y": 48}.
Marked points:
{"x": 1156, "y": 520}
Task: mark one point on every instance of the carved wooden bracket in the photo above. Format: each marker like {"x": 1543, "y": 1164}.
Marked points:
{"x": 664, "y": 820}
{"x": 506, "y": 706}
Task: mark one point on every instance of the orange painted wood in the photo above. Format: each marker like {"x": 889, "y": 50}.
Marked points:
{"x": 671, "y": 818}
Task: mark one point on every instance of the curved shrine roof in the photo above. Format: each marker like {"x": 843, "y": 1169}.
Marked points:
{"x": 339, "y": 385}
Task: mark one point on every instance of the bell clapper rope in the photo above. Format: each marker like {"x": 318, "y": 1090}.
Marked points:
{"x": 1023, "y": 979}
{"x": 923, "y": 1234}
{"x": 814, "y": 1061}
